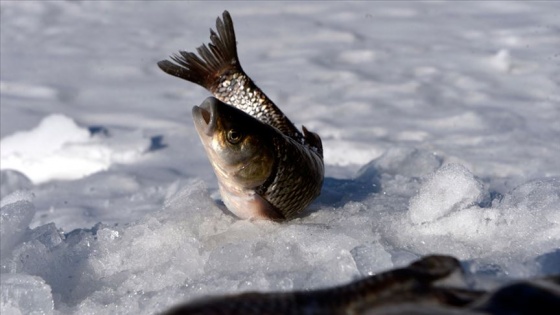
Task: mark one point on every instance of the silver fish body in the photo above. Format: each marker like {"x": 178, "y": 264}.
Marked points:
{"x": 273, "y": 170}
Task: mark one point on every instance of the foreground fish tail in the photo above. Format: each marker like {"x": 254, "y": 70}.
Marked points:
{"x": 216, "y": 60}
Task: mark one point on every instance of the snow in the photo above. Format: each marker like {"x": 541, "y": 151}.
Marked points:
{"x": 440, "y": 127}
{"x": 451, "y": 187}
{"x": 60, "y": 149}
{"x": 25, "y": 294}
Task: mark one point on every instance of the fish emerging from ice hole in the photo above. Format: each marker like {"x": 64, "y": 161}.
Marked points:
{"x": 266, "y": 167}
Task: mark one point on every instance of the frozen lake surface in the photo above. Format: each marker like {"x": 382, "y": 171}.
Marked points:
{"x": 440, "y": 125}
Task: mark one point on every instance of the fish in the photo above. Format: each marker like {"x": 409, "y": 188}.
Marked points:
{"x": 434, "y": 284}
{"x": 416, "y": 284}
{"x": 266, "y": 167}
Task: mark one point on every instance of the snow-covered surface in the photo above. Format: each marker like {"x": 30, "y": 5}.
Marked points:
{"x": 440, "y": 124}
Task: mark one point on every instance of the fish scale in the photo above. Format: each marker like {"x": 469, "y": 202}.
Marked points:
{"x": 292, "y": 158}
{"x": 238, "y": 90}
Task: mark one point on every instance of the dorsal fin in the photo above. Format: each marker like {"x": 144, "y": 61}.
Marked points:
{"x": 313, "y": 140}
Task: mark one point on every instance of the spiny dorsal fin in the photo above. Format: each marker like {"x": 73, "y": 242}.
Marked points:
{"x": 313, "y": 140}
{"x": 215, "y": 59}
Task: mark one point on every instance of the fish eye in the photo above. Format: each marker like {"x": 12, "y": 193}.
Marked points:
{"x": 234, "y": 136}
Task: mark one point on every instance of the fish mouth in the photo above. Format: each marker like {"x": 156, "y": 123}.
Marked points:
{"x": 205, "y": 116}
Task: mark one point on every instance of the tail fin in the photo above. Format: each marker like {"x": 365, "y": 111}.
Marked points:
{"x": 215, "y": 59}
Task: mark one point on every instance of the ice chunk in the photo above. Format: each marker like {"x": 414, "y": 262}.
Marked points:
{"x": 59, "y": 149}
{"x": 453, "y": 187}
{"x": 47, "y": 234}
{"x": 103, "y": 265}
{"x": 40, "y": 153}
{"x": 521, "y": 225}
{"x": 15, "y": 215}
{"x": 371, "y": 258}
{"x": 397, "y": 172}
{"x": 12, "y": 181}
{"x": 25, "y": 294}
{"x": 542, "y": 195}
{"x": 534, "y": 208}
{"x": 52, "y": 133}
{"x": 410, "y": 162}
{"x": 21, "y": 195}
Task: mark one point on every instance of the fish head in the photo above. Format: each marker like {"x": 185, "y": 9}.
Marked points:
{"x": 239, "y": 147}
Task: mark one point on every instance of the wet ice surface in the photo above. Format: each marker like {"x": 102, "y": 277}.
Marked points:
{"x": 440, "y": 125}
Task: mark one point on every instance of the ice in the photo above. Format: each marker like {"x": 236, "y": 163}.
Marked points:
{"x": 510, "y": 222}
{"x": 15, "y": 215}
{"x": 508, "y": 232}
{"x": 406, "y": 161}
{"x": 59, "y": 149}
{"x": 371, "y": 259}
{"x": 50, "y": 135}
{"x": 451, "y": 188}
{"x": 25, "y": 294}
{"x": 531, "y": 211}
{"x": 190, "y": 247}
{"x": 439, "y": 126}
{"x": 12, "y": 181}
{"x": 540, "y": 195}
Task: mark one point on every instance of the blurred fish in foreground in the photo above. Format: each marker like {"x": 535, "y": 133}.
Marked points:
{"x": 432, "y": 285}
{"x": 266, "y": 167}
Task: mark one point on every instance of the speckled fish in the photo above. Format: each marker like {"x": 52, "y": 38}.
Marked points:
{"x": 266, "y": 167}
{"x": 435, "y": 284}
{"x": 416, "y": 285}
